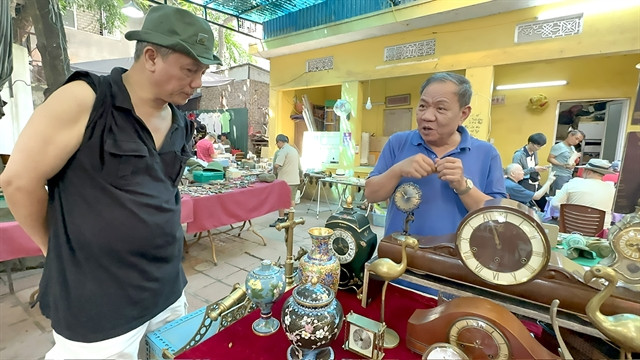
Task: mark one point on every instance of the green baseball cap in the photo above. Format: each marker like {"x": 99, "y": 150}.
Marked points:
{"x": 179, "y": 30}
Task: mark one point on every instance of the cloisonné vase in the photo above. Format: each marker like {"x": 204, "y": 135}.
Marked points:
{"x": 311, "y": 319}
{"x": 319, "y": 262}
{"x": 265, "y": 284}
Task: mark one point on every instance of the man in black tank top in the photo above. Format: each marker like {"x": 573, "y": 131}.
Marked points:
{"x": 111, "y": 151}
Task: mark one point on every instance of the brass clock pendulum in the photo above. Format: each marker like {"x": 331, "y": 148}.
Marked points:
{"x": 288, "y": 239}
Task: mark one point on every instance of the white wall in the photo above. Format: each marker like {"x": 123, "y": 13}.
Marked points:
{"x": 19, "y": 106}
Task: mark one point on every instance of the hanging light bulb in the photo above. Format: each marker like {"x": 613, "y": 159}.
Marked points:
{"x": 368, "y": 106}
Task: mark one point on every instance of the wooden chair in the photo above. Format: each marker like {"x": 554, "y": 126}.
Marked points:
{"x": 579, "y": 218}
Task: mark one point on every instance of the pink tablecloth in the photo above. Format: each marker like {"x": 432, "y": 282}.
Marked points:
{"x": 186, "y": 209}
{"x": 213, "y": 211}
{"x": 15, "y": 243}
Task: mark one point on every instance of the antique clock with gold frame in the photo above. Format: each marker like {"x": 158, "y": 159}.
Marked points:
{"x": 503, "y": 243}
{"x": 364, "y": 336}
{"x": 624, "y": 237}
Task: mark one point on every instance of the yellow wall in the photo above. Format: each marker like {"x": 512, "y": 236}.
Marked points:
{"x": 589, "y": 78}
{"x": 598, "y": 63}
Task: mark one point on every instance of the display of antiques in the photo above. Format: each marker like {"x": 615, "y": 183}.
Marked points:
{"x": 623, "y": 329}
{"x": 624, "y": 237}
{"x": 353, "y": 243}
{"x": 503, "y": 243}
{"x": 289, "y": 273}
{"x": 479, "y": 327}
{"x": 484, "y": 261}
{"x": 364, "y": 336}
{"x": 311, "y": 319}
{"x": 320, "y": 263}
{"x": 222, "y": 313}
{"x": 264, "y": 285}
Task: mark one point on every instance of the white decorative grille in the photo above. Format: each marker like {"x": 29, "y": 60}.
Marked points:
{"x": 549, "y": 29}
{"x": 320, "y": 64}
{"x": 410, "y": 50}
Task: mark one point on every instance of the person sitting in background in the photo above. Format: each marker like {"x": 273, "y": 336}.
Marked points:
{"x": 204, "y": 148}
{"x": 590, "y": 190}
{"x": 563, "y": 157}
{"x": 527, "y": 157}
{"x": 224, "y": 141}
{"x": 518, "y": 192}
{"x": 219, "y": 148}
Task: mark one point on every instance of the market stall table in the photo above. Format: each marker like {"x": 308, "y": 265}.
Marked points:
{"x": 239, "y": 342}
{"x": 15, "y": 244}
{"x": 239, "y": 205}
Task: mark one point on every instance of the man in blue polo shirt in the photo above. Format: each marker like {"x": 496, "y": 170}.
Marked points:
{"x": 456, "y": 172}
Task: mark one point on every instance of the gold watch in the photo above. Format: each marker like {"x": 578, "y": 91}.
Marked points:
{"x": 466, "y": 189}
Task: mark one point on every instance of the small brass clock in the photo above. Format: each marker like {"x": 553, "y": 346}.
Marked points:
{"x": 407, "y": 197}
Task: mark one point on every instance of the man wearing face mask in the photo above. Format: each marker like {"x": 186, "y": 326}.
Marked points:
{"x": 456, "y": 172}
{"x": 112, "y": 150}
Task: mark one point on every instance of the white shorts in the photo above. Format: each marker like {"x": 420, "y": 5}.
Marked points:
{"x": 125, "y": 346}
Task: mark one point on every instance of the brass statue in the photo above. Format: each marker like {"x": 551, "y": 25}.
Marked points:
{"x": 288, "y": 239}
{"x": 388, "y": 270}
{"x": 564, "y": 351}
{"x": 622, "y": 329}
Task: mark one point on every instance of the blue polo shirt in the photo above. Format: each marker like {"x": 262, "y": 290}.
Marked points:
{"x": 441, "y": 209}
{"x": 517, "y": 192}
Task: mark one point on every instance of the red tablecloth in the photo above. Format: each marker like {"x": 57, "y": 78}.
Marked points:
{"x": 213, "y": 211}
{"x": 239, "y": 342}
{"x": 15, "y": 243}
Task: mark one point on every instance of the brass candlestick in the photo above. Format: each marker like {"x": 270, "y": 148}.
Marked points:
{"x": 289, "y": 225}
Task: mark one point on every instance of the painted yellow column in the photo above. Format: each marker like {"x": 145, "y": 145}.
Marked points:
{"x": 279, "y": 121}
{"x": 479, "y": 122}
{"x": 352, "y": 91}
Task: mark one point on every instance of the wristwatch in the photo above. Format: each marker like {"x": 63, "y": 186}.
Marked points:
{"x": 466, "y": 189}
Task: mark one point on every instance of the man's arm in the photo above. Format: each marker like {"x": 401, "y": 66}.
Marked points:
{"x": 544, "y": 188}
{"x": 552, "y": 160}
{"x": 51, "y": 136}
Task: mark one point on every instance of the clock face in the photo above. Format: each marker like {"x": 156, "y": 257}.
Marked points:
{"x": 626, "y": 245}
{"x": 502, "y": 246}
{"x": 442, "y": 351}
{"x": 479, "y": 339}
{"x": 343, "y": 245}
{"x": 629, "y": 243}
{"x": 407, "y": 197}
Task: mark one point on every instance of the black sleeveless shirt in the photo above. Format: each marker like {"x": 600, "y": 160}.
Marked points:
{"x": 115, "y": 240}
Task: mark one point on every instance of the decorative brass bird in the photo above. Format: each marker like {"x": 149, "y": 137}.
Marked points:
{"x": 622, "y": 329}
{"x": 388, "y": 270}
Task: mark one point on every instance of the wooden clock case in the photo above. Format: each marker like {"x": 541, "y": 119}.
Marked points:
{"x": 437, "y": 255}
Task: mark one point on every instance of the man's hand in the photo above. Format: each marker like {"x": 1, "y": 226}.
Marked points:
{"x": 417, "y": 166}
{"x": 450, "y": 170}
{"x": 541, "y": 168}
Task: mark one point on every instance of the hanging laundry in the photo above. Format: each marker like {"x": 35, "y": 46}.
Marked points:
{"x": 225, "y": 118}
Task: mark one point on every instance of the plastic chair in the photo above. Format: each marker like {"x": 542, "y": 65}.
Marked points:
{"x": 579, "y": 218}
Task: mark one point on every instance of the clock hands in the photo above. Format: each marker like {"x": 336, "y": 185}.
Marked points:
{"x": 468, "y": 344}
{"x": 495, "y": 237}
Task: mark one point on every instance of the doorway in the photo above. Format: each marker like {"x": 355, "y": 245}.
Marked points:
{"x": 604, "y": 122}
